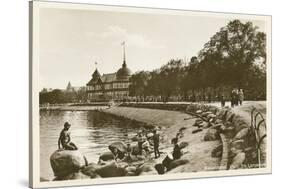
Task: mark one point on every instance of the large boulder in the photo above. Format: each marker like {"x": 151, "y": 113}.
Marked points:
{"x": 176, "y": 163}
{"x": 72, "y": 176}
{"x": 238, "y": 160}
{"x": 111, "y": 169}
{"x": 65, "y": 162}
{"x": 146, "y": 169}
{"x": 242, "y": 134}
{"x": 107, "y": 156}
{"x": 211, "y": 135}
{"x": 120, "y": 146}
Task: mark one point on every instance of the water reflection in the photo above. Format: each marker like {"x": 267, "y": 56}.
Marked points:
{"x": 91, "y": 131}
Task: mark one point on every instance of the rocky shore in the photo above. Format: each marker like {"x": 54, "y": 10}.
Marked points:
{"x": 212, "y": 139}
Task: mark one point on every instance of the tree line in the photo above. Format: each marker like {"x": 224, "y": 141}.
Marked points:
{"x": 234, "y": 57}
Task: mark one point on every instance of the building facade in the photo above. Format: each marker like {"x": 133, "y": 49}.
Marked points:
{"x": 112, "y": 86}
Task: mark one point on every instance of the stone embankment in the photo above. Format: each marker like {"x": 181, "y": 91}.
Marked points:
{"x": 211, "y": 139}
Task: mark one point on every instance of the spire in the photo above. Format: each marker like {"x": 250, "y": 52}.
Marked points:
{"x": 124, "y": 54}
{"x": 96, "y": 73}
{"x": 69, "y": 87}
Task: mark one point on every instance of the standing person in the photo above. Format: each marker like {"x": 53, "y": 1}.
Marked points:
{"x": 65, "y": 139}
{"x": 222, "y": 101}
{"x": 236, "y": 97}
{"x": 232, "y": 98}
{"x": 156, "y": 144}
{"x": 241, "y": 96}
{"x": 129, "y": 152}
{"x": 141, "y": 140}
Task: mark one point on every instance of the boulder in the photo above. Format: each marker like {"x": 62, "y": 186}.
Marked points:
{"x": 160, "y": 168}
{"x": 111, "y": 169}
{"x": 217, "y": 151}
{"x": 176, "y": 163}
{"x": 216, "y": 126}
{"x": 211, "y": 116}
{"x": 239, "y": 123}
{"x": 65, "y": 162}
{"x": 120, "y": 146}
{"x": 183, "y": 144}
{"x": 211, "y": 135}
{"x": 72, "y": 176}
{"x": 146, "y": 169}
{"x": 196, "y": 131}
{"x": 106, "y": 156}
{"x": 238, "y": 160}
{"x": 241, "y": 134}
{"x": 238, "y": 144}
{"x": 131, "y": 169}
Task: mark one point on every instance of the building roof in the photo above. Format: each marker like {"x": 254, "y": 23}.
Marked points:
{"x": 107, "y": 78}
{"x": 123, "y": 72}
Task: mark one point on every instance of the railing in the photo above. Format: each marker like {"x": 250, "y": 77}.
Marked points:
{"x": 256, "y": 121}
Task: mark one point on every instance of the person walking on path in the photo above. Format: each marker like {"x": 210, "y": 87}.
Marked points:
{"x": 156, "y": 144}
{"x": 240, "y": 96}
{"x": 65, "y": 139}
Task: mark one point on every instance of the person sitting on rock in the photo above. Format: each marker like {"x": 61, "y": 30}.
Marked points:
{"x": 129, "y": 152}
{"x": 177, "y": 151}
{"x": 65, "y": 139}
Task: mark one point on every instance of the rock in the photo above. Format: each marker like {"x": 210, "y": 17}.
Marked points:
{"x": 211, "y": 116}
{"x": 131, "y": 174}
{"x": 106, "y": 156}
{"x": 118, "y": 145}
{"x": 167, "y": 160}
{"x": 234, "y": 151}
{"x": 238, "y": 160}
{"x": 238, "y": 144}
{"x": 65, "y": 162}
{"x": 199, "y": 111}
{"x": 211, "y": 135}
{"x": 217, "y": 126}
{"x": 131, "y": 169}
{"x": 146, "y": 169}
{"x": 72, "y": 176}
{"x": 111, "y": 169}
{"x": 160, "y": 168}
{"x": 176, "y": 163}
{"x": 217, "y": 152}
{"x": 218, "y": 121}
{"x": 241, "y": 134}
{"x": 205, "y": 114}
{"x": 90, "y": 170}
{"x": 239, "y": 123}
{"x": 183, "y": 144}
{"x": 134, "y": 138}
{"x": 196, "y": 131}
{"x": 182, "y": 129}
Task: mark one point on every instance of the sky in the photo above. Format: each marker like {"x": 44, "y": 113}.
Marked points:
{"x": 71, "y": 41}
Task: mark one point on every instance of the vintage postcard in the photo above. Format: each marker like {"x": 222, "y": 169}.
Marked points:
{"x": 128, "y": 94}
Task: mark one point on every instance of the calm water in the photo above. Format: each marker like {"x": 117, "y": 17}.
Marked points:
{"x": 91, "y": 131}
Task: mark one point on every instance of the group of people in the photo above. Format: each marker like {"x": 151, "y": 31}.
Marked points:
{"x": 145, "y": 141}
{"x": 237, "y": 97}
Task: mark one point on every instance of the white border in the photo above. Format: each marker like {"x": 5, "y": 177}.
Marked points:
{"x": 34, "y": 126}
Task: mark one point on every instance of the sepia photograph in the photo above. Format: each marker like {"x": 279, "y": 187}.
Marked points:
{"x": 127, "y": 94}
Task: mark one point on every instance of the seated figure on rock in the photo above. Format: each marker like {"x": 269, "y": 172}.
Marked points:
{"x": 65, "y": 140}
